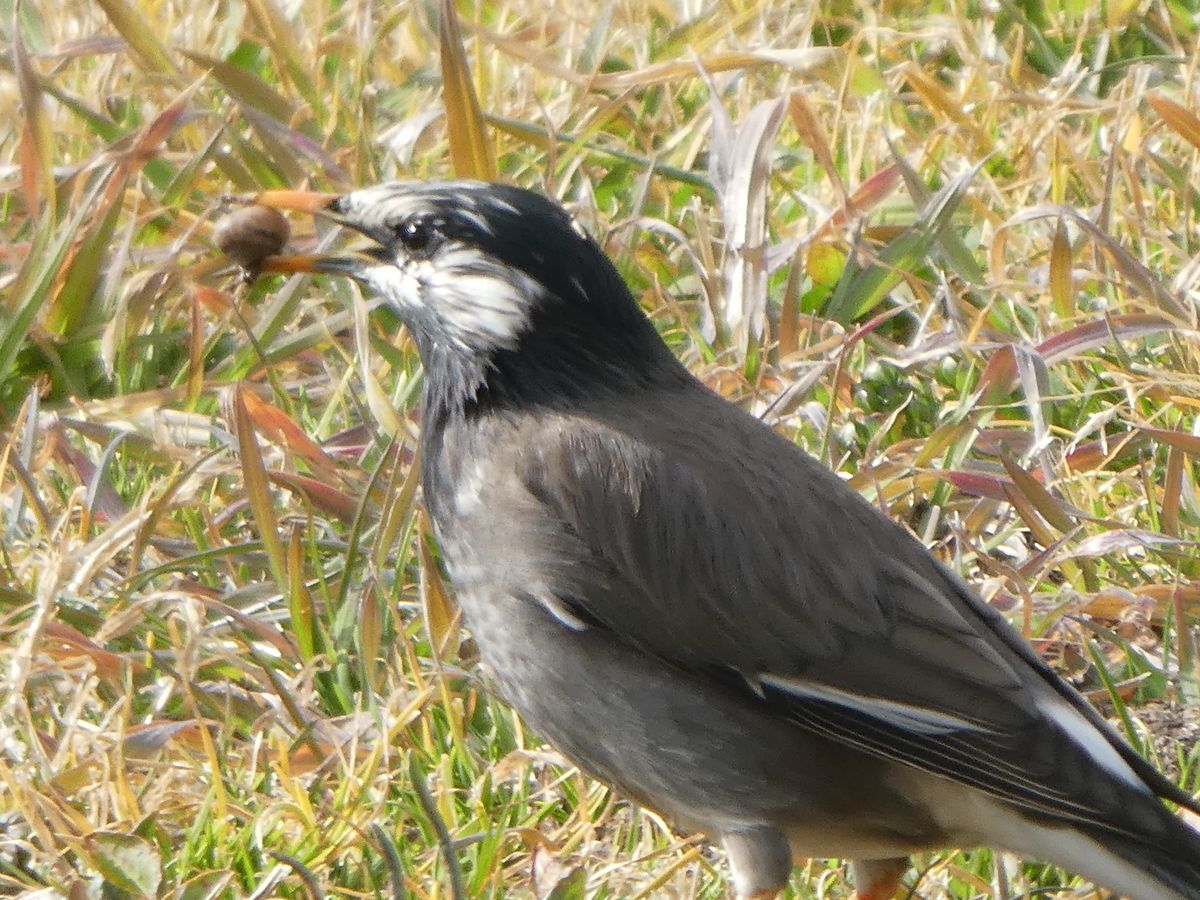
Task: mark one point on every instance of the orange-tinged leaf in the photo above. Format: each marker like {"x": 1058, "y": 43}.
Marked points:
{"x": 325, "y": 497}
{"x": 934, "y": 96}
{"x": 1095, "y": 454}
{"x": 978, "y": 484}
{"x": 441, "y": 613}
{"x": 1110, "y": 603}
{"x": 306, "y": 757}
{"x": 218, "y": 303}
{"x": 1188, "y": 443}
{"x": 1001, "y": 370}
{"x": 1178, "y": 118}
{"x": 1166, "y": 595}
{"x": 1172, "y": 496}
{"x": 260, "y": 629}
{"x": 470, "y": 149}
{"x": 143, "y": 741}
{"x": 996, "y": 256}
{"x": 1050, "y": 507}
{"x": 883, "y": 234}
{"x": 810, "y": 131}
{"x": 163, "y": 125}
{"x": 31, "y": 167}
{"x": 789, "y": 311}
{"x": 1181, "y": 400}
{"x": 865, "y": 198}
{"x": 874, "y": 190}
{"x": 36, "y": 147}
{"x": 370, "y": 634}
{"x": 1029, "y": 515}
{"x": 109, "y": 666}
{"x": 1099, "y": 332}
{"x": 86, "y": 259}
{"x": 266, "y": 416}
{"x": 282, "y": 429}
{"x": 258, "y": 491}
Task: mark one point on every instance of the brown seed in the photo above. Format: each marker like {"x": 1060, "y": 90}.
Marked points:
{"x": 251, "y": 234}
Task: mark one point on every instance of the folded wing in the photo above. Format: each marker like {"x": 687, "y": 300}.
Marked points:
{"x": 757, "y": 566}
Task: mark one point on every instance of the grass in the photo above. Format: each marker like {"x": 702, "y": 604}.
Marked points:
{"x": 232, "y": 666}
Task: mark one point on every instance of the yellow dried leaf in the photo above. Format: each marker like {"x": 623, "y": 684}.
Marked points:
{"x": 1131, "y": 140}
{"x": 470, "y": 150}
{"x": 1062, "y": 290}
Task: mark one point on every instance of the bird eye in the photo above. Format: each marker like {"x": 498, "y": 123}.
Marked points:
{"x": 417, "y": 234}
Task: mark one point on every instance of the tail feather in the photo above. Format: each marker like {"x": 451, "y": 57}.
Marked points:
{"x": 1158, "y": 863}
{"x": 1173, "y": 862}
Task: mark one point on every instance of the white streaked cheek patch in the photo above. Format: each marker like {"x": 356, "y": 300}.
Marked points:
{"x": 480, "y": 303}
{"x": 396, "y": 285}
{"x": 478, "y": 311}
{"x": 470, "y": 300}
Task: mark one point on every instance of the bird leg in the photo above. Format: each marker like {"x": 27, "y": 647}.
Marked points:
{"x": 761, "y": 860}
{"x": 877, "y": 879}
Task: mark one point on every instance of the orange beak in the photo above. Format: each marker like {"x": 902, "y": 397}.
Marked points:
{"x": 314, "y": 202}
{"x": 290, "y": 265}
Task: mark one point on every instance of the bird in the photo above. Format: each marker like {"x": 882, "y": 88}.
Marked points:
{"x": 697, "y": 612}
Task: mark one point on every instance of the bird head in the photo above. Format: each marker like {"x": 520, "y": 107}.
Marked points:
{"x": 507, "y": 297}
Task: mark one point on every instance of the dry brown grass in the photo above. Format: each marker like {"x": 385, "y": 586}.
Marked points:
{"x": 231, "y": 667}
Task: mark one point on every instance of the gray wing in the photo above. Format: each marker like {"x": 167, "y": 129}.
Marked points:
{"x": 745, "y": 559}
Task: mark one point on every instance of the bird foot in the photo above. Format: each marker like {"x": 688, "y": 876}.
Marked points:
{"x": 878, "y": 879}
